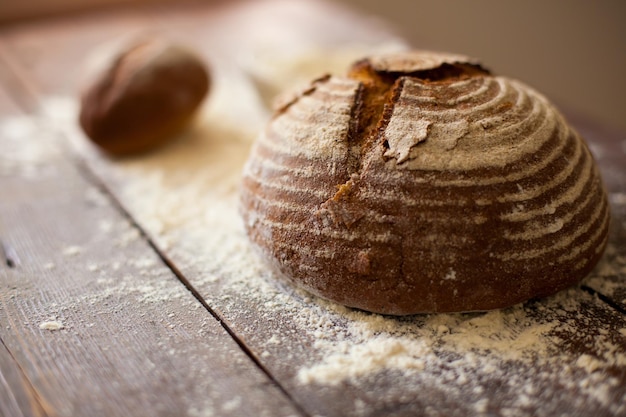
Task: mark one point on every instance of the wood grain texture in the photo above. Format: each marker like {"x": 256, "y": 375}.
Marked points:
{"x": 579, "y": 371}
{"x": 92, "y": 321}
{"x": 17, "y": 396}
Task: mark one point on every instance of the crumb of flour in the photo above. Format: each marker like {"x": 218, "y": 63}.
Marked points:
{"x": 51, "y": 325}
{"x": 72, "y": 250}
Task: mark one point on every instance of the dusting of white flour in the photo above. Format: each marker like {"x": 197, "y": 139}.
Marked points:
{"x": 27, "y": 158}
{"x": 51, "y": 325}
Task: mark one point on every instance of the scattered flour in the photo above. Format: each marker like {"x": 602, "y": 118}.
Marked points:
{"x": 30, "y": 158}
{"x": 233, "y": 404}
{"x": 355, "y": 360}
{"x": 96, "y": 197}
{"x": 127, "y": 237}
{"x": 51, "y": 325}
{"x": 72, "y": 250}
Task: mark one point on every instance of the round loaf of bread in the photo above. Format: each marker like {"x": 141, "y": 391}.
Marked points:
{"x": 142, "y": 97}
{"x": 421, "y": 182}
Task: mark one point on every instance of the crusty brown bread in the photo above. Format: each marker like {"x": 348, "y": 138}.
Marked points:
{"x": 422, "y": 183}
{"x": 146, "y": 95}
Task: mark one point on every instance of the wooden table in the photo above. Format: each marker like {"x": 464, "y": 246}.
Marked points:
{"x": 126, "y": 287}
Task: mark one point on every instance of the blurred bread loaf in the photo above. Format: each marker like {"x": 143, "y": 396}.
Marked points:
{"x": 142, "y": 97}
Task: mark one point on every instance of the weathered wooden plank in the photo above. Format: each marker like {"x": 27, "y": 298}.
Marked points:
{"x": 561, "y": 356}
{"x": 17, "y": 396}
{"x": 91, "y": 320}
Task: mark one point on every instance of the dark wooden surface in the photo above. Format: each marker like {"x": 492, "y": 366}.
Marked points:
{"x": 17, "y": 396}
{"x": 154, "y": 326}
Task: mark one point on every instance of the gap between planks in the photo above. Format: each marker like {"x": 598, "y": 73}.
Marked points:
{"x": 95, "y": 180}
{"x": 17, "y": 400}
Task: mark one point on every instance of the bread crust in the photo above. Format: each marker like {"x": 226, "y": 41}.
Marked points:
{"x": 423, "y": 183}
{"x": 147, "y": 94}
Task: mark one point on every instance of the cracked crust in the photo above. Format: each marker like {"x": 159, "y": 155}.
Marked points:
{"x": 422, "y": 183}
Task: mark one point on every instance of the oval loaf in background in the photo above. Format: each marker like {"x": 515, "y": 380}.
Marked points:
{"x": 142, "y": 96}
{"x": 420, "y": 182}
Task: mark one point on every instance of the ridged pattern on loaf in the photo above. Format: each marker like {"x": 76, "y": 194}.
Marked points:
{"x": 473, "y": 194}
